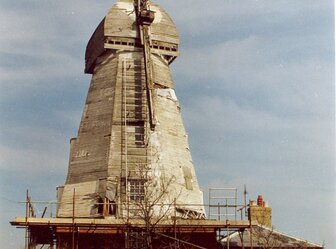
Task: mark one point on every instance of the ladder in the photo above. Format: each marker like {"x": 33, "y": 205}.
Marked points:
{"x": 135, "y": 144}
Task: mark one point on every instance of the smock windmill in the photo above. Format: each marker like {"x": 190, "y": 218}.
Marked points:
{"x": 131, "y": 132}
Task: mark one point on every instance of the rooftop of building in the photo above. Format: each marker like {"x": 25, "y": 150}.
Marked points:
{"x": 265, "y": 237}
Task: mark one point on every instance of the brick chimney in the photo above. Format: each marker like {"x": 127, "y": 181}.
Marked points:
{"x": 260, "y": 212}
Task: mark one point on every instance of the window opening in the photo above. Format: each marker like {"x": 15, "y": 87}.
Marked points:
{"x": 137, "y": 189}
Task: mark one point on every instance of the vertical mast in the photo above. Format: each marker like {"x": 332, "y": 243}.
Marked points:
{"x": 145, "y": 17}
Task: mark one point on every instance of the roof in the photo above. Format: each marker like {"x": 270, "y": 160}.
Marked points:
{"x": 118, "y": 30}
{"x": 264, "y": 236}
{"x": 120, "y": 21}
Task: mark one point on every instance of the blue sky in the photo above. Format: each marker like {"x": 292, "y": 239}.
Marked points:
{"x": 255, "y": 80}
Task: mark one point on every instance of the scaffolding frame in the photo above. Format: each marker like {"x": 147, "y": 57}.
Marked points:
{"x": 45, "y": 232}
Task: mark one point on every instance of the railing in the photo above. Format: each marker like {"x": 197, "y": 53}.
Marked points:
{"x": 223, "y": 205}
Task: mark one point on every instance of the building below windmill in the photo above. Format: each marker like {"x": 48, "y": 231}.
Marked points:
{"x": 263, "y": 237}
{"x": 131, "y": 181}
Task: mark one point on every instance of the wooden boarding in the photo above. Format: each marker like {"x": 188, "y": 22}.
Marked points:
{"x": 105, "y": 223}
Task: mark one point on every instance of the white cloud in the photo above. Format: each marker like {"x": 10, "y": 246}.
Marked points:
{"x": 237, "y": 139}
{"x": 232, "y": 15}
{"x": 46, "y": 38}
{"x": 40, "y": 152}
{"x": 32, "y": 161}
{"x": 226, "y": 115}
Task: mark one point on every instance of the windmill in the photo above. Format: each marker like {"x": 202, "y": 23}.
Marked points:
{"x": 131, "y": 119}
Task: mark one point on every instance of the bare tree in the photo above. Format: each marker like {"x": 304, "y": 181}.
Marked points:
{"x": 150, "y": 200}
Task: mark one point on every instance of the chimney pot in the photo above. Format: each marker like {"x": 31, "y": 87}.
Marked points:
{"x": 260, "y": 200}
